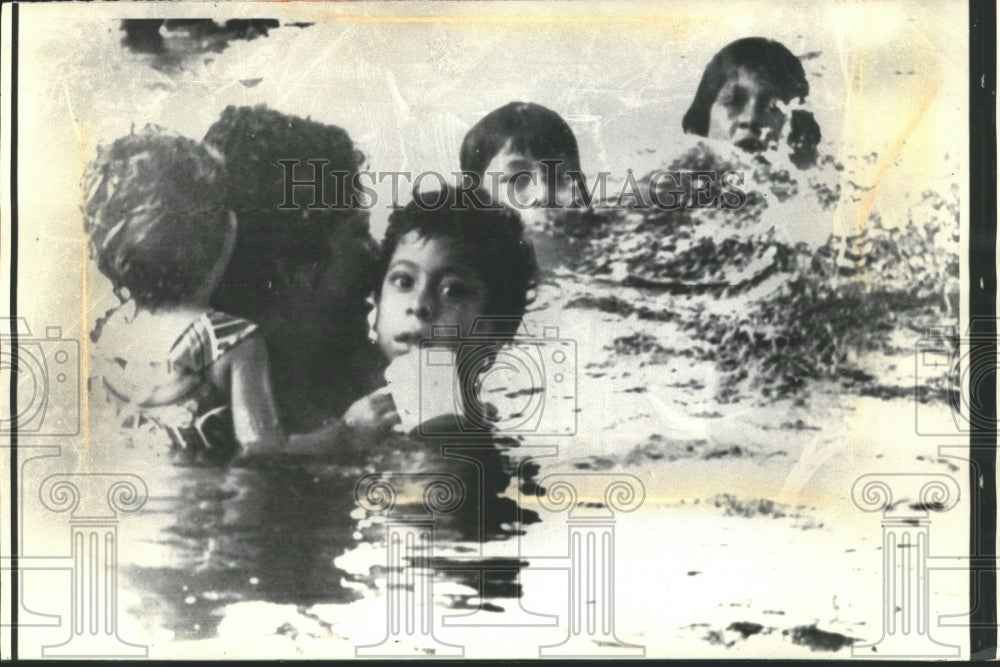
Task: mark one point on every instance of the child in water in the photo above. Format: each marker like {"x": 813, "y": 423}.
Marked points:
{"x": 740, "y": 97}
{"x": 527, "y": 157}
{"x": 179, "y": 374}
{"x": 443, "y": 265}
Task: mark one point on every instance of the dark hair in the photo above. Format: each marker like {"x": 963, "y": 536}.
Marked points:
{"x": 253, "y": 140}
{"x": 490, "y": 235}
{"x": 764, "y": 57}
{"x": 155, "y": 215}
{"x": 281, "y": 272}
{"x": 530, "y": 128}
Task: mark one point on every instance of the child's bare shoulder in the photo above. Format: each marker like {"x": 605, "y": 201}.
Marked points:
{"x": 236, "y": 338}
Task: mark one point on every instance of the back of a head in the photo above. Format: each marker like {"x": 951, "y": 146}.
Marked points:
{"x": 155, "y": 215}
{"x": 765, "y": 58}
{"x": 274, "y": 232}
{"x": 528, "y": 128}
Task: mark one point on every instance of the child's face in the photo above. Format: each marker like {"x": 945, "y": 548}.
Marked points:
{"x": 525, "y": 184}
{"x": 745, "y": 112}
{"x": 429, "y": 283}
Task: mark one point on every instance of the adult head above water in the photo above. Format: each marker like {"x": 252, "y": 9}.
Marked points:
{"x": 301, "y": 273}
{"x": 737, "y": 99}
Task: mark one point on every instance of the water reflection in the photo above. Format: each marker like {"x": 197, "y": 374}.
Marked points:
{"x": 272, "y": 530}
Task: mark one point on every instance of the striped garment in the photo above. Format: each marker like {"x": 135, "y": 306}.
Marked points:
{"x": 170, "y": 400}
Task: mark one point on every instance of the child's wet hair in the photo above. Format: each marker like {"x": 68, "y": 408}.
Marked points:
{"x": 763, "y": 57}
{"x": 491, "y": 238}
{"x": 529, "y": 128}
{"x": 155, "y": 215}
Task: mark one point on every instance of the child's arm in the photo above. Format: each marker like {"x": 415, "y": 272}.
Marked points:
{"x": 374, "y": 413}
{"x": 368, "y": 419}
{"x": 255, "y": 417}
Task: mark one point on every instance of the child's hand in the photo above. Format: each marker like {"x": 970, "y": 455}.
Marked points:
{"x": 374, "y": 413}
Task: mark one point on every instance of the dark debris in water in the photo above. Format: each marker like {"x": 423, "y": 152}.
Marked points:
{"x": 734, "y": 451}
{"x": 596, "y": 463}
{"x": 815, "y": 311}
{"x": 928, "y": 507}
{"x": 818, "y": 640}
{"x": 621, "y": 307}
{"x": 660, "y": 448}
{"x": 746, "y": 629}
{"x": 750, "y": 508}
{"x": 716, "y": 638}
{"x": 798, "y": 425}
{"x": 943, "y": 461}
{"x": 170, "y": 43}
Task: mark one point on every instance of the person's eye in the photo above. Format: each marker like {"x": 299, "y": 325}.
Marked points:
{"x": 522, "y": 177}
{"x": 735, "y": 97}
{"x": 456, "y": 290}
{"x": 401, "y": 280}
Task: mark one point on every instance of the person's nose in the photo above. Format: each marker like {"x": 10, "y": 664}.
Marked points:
{"x": 751, "y": 116}
{"x": 421, "y": 304}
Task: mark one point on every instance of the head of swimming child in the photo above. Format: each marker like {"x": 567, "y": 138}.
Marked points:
{"x": 447, "y": 263}
{"x": 522, "y": 153}
{"x": 737, "y": 99}
{"x": 155, "y": 217}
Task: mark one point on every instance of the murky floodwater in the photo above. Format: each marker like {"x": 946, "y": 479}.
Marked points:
{"x": 272, "y": 531}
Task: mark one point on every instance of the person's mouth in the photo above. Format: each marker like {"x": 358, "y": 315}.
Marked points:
{"x": 406, "y": 341}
